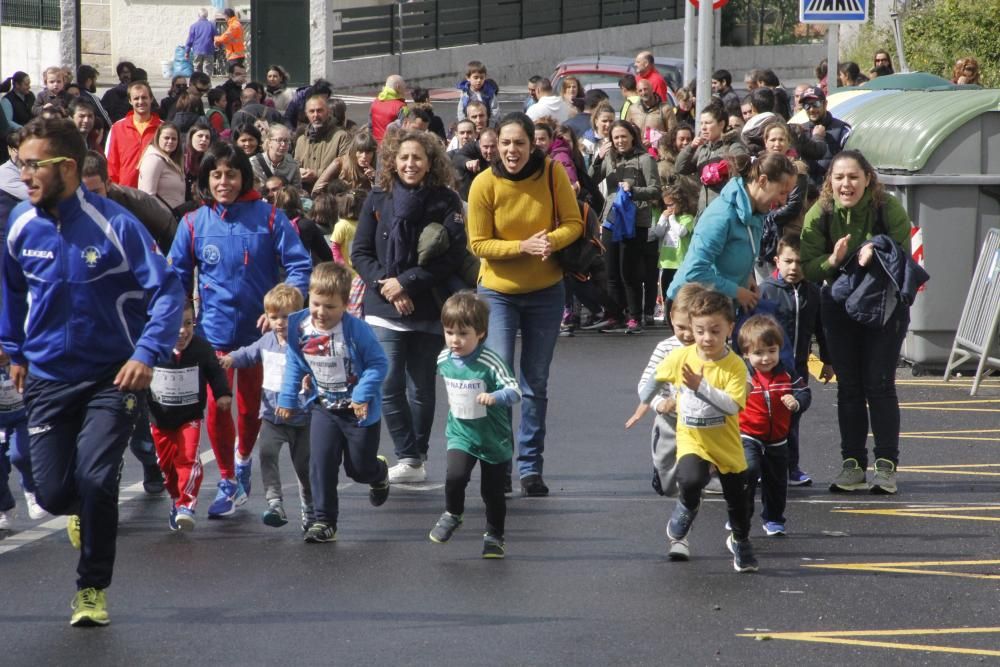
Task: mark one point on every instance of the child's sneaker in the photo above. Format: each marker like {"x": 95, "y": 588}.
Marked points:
{"x": 172, "y": 519}
{"x": 35, "y": 511}
{"x": 680, "y": 521}
{"x": 152, "y": 480}
{"x": 230, "y": 495}
{"x": 7, "y": 519}
{"x": 243, "y": 470}
{"x": 444, "y": 527}
{"x": 379, "y": 493}
{"x": 774, "y": 529}
{"x": 851, "y": 477}
{"x": 743, "y": 558}
{"x": 633, "y": 326}
{"x": 320, "y": 532}
{"x": 274, "y": 515}
{"x": 185, "y": 518}
{"x": 407, "y": 473}
{"x": 679, "y": 549}
{"x": 884, "y": 481}
{"x": 798, "y": 478}
{"x": 613, "y": 326}
{"x": 492, "y": 546}
{"x": 90, "y": 609}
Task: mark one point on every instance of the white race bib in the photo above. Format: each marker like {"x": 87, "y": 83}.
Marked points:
{"x": 10, "y": 399}
{"x": 330, "y": 373}
{"x": 175, "y": 386}
{"x": 462, "y": 398}
{"x": 274, "y": 369}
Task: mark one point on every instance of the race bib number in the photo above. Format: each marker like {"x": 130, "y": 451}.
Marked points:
{"x": 462, "y": 398}
{"x": 698, "y": 413}
{"x": 274, "y": 370}
{"x": 329, "y": 371}
{"x": 10, "y": 399}
{"x": 175, "y": 386}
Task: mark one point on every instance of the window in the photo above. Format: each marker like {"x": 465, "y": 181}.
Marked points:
{"x": 42, "y": 14}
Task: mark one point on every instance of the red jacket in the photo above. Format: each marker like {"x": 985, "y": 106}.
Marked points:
{"x": 659, "y": 83}
{"x": 384, "y": 112}
{"x": 125, "y": 149}
{"x": 765, "y": 417}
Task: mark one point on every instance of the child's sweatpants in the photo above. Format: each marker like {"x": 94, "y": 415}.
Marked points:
{"x": 491, "y": 487}
{"x": 769, "y": 463}
{"x": 219, "y": 423}
{"x": 180, "y": 461}
{"x": 692, "y": 476}
{"x": 336, "y": 437}
{"x": 14, "y": 452}
{"x": 272, "y": 437}
{"x": 664, "y": 448}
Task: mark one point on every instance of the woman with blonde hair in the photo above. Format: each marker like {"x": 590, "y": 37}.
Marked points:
{"x": 161, "y": 170}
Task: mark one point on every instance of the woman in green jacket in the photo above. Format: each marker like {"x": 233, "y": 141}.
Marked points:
{"x": 851, "y": 210}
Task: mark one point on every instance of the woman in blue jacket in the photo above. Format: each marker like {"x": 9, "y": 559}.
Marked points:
{"x": 240, "y": 245}
{"x": 727, "y": 235}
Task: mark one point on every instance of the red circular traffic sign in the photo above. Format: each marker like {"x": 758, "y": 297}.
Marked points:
{"x": 715, "y": 5}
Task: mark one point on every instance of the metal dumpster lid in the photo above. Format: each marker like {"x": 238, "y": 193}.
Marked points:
{"x": 902, "y": 131}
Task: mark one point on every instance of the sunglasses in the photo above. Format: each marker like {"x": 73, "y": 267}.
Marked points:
{"x": 812, "y": 104}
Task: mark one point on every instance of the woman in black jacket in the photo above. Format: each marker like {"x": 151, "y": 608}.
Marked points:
{"x": 413, "y": 191}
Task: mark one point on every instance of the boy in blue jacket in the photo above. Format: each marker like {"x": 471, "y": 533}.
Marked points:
{"x": 346, "y": 367}
{"x": 271, "y": 350}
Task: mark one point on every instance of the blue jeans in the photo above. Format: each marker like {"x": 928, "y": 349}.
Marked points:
{"x": 408, "y": 389}
{"x": 537, "y": 316}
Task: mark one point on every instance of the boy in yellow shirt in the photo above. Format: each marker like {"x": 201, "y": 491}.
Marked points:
{"x": 712, "y": 383}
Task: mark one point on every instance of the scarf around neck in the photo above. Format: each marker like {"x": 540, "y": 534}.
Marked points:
{"x": 536, "y": 162}
{"x": 408, "y": 205}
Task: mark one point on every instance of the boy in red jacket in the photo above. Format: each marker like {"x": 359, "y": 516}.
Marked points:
{"x": 775, "y": 394}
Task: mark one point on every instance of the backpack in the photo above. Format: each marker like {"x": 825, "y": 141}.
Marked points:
{"x": 578, "y": 258}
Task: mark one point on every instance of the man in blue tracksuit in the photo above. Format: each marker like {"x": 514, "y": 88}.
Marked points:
{"x": 104, "y": 308}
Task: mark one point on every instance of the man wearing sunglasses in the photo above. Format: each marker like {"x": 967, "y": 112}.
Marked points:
{"x": 105, "y": 308}
{"x": 824, "y": 135}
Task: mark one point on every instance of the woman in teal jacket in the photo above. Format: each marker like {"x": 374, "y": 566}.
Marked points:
{"x": 727, "y": 235}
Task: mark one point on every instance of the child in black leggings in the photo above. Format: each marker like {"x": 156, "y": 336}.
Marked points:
{"x": 480, "y": 389}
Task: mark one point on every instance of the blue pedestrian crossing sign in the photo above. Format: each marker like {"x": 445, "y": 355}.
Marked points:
{"x": 833, "y": 11}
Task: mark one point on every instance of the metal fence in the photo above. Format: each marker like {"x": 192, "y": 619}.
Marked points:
{"x": 437, "y": 24}
{"x": 44, "y": 14}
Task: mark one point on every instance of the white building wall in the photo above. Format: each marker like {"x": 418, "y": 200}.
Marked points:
{"x": 28, "y": 50}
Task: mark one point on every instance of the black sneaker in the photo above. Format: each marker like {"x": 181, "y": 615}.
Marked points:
{"x": 743, "y": 558}
{"x": 533, "y": 486}
{"x": 152, "y": 480}
{"x": 445, "y": 527}
{"x": 320, "y": 532}
{"x": 493, "y": 546}
{"x": 379, "y": 493}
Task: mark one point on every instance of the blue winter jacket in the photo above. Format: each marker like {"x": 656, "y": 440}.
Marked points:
{"x": 239, "y": 251}
{"x": 724, "y": 245}
{"x": 201, "y": 38}
{"x": 368, "y": 361}
{"x": 101, "y": 293}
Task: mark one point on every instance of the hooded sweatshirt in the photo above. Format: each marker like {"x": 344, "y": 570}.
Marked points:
{"x": 385, "y": 109}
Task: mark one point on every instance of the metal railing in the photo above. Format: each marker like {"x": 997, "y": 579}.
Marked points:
{"x": 437, "y": 24}
{"x": 43, "y": 14}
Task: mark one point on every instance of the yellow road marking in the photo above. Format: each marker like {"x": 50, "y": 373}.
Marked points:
{"x": 975, "y": 430}
{"x": 921, "y": 407}
{"x": 852, "y": 638}
{"x": 932, "y": 513}
{"x": 960, "y": 402}
{"x": 917, "y": 567}
{"x": 961, "y": 469}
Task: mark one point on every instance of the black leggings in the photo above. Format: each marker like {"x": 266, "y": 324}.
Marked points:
{"x": 493, "y": 476}
{"x": 624, "y": 260}
{"x": 692, "y": 476}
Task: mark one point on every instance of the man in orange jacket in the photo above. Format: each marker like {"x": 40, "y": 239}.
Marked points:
{"x": 232, "y": 39}
{"x": 130, "y": 136}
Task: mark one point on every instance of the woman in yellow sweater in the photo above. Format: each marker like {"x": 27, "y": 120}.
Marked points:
{"x": 519, "y": 218}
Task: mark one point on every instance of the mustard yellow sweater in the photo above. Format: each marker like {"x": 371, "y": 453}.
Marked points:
{"x": 502, "y": 213}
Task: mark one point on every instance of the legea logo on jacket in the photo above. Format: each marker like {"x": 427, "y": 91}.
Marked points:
{"x": 42, "y": 254}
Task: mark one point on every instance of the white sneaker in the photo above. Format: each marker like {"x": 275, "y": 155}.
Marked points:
{"x": 35, "y": 511}
{"x": 7, "y": 519}
{"x": 404, "y": 472}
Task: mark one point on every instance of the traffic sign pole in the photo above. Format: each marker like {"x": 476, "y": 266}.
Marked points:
{"x": 690, "y": 31}
{"x": 706, "y": 44}
{"x": 832, "y": 57}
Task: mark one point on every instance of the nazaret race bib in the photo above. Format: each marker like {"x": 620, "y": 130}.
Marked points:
{"x": 462, "y": 398}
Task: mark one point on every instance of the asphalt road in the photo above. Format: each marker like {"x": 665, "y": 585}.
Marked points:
{"x": 586, "y": 579}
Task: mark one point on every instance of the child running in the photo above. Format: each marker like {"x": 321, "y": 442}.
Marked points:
{"x": 712, "y": 382}
{"x": 177, "y": 399}
{"x": 14, "y": 450}
{"x": 776, "y": 394}
{"x": 481, "y": 387}
{"x": 798, "y": 312}
{"x": 279, "y": 303}
{"x": 346, "y": 367}
{"x": 664, "y": 402}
